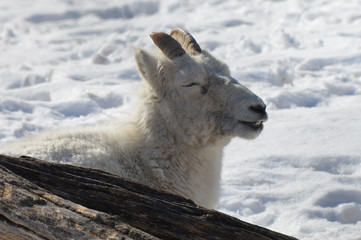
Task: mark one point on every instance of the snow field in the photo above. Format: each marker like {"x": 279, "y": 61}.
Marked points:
{"x": 66, "y": 63}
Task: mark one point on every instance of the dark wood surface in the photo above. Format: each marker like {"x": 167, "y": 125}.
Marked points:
{"x": 43, "y": 200}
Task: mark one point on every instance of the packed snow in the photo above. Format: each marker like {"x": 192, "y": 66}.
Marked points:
{"x": 70, "y": 62}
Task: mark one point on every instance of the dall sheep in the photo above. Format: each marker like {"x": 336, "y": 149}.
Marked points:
{"x": 190, "y": 107}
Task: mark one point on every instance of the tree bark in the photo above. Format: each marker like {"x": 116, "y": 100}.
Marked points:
{"x": 43, "y": 200}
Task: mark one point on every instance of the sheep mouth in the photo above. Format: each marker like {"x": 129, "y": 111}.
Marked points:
{"x": 253, "y": 125}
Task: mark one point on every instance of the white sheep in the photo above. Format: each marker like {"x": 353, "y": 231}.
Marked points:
{"x": 190, "y": 107}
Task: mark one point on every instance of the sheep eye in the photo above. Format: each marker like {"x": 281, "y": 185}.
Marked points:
{"x": 191, "y": 84}
{"x": 203, "y": 91}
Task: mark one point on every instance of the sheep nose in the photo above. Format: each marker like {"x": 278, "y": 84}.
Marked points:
{"x": 260, "y": 109}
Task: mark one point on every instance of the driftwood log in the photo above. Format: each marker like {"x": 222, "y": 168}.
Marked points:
{"x": 43, "y": 200}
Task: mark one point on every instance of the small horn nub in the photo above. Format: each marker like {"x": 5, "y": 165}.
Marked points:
{"x": 168, "y": 45}
{"x": 186, "y": 40}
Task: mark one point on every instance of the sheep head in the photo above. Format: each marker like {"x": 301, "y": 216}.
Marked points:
{"x": 194, "y": 93}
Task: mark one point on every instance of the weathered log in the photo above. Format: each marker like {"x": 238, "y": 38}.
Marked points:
{"x": 43, "y": 200}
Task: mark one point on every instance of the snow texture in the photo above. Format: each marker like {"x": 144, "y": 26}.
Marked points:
{"x": 66, "y": 63}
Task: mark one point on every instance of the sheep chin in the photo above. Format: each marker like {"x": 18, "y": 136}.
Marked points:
{"x": 248, "y": 130}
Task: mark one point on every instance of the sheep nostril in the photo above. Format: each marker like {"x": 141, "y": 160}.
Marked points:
{"x": 261, "y": 109}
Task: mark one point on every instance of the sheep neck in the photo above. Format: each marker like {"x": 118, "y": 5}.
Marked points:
{"x": 166, "y": 148}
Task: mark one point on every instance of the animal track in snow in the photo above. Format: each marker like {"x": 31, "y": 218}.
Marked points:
{"x": 109, "y": 101}
{"x": 336, "y": 165}
{"x": 15, "y": 105}
{"x": 336, "y": 197}
{"x": 343, "y": 206}
{"x": 125, "y": 11}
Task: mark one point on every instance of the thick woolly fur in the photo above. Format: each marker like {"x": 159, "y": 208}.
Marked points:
{"x": 189, "y": 109}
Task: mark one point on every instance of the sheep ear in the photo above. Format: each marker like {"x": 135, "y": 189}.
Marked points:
{"x": 147, "y": 66}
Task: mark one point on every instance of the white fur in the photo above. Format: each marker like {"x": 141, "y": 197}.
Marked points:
{"x": 175, "y": 139}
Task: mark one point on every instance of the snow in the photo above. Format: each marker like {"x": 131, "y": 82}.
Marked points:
{"x": 67, "y": 63}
